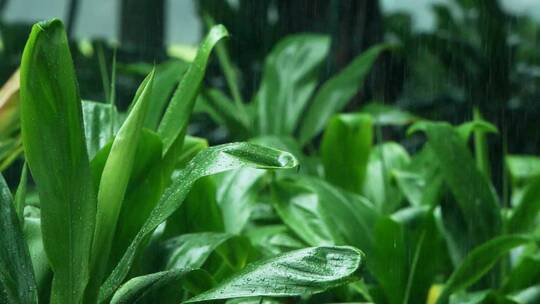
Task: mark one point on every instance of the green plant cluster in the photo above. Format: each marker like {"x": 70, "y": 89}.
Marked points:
{"x": 311, "y": 206}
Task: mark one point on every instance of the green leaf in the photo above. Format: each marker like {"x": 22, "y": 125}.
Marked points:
{"x": 479, "y": 262}
{"x": 192, "y": 250}
{"x": 387, "y": 115}
{"x": 336, "y": 92}
{"x": 40, "y": 264}
{"x": 301, "y": 272}
{"x": 208, "y": 162}
{"x": 229, "y": 72}
{"x": 237, "y": 195}
{"x": 345, "y": 150}
{"x": 101, "y": 122}
{"x": 167, "y": 76}
{"x": 522, "y": 168}
{"x": 310, "y": 207}
{"x": 421, "y": 181}
{"x": 524, "y": 215}
{"x": 20, "y": 195}
{"x": 175, "y": 120}
{"x": 114, "y": 181}
{"x": 379, "y": 187}
{"x": 16, "y": 274}
{"x": 55, "y": 149}
{"x": 471, "y": 189}
{"x": 289, "y": 79}
{"x": 137, "y": 288}
{"x": 222, "y": 110}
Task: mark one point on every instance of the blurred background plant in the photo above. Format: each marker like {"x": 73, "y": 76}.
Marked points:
{"x": 453, "y": 55}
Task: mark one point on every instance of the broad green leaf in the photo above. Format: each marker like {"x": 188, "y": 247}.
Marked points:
{"x": 321, "y": 214}
{"x": 175, "y": 120}
{"x": 136, "y": 289}
{"x": 387, "y": 115}
{"x": 345, "y": 150}
{"x": 237, "y": 195}
{"x": 210, "y": 161}
{"x": 420, "y": 181}
{"x": 389, "y": 259}
{"x": 480, "y": 146}
{"x": 114, "y": 181}
{"x": 479, "y": 262}
{"x": 55, "y": 149}
{"x": 379, "y": 188}
{"x": 525, "y": 273}
{"x": 522, "y": 168}
{"x": 471, "y": 189}
{"x": 16, "y": 274}
{"x": 301, "y": 272}
{"x": 524, "y": 215}
{"x": 289, "y": 79}
{"x": 337, "y": 92}
{"x": 190, "y": 251}
{"x": 145, "y": 187}
{"x": 101, "y": 121}
{"x": 530, "y": 295}
{"x": 273, "y": 239}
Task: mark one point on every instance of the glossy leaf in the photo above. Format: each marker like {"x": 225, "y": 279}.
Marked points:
{"x": 337, "y": 92}
{"x": 301, "y": 272}
{"x": 16, "y": 273}
{"x": 289, "y": 79}
{"x": 55, "y": 149}
{"x": 388, "y": 115}
{"x": 192, "y": 250}
{"x": 345, "y": 150}
{"x": 210, "y": 161}
{"x": 177, "y": 114}
{"x": 137, "y": 288}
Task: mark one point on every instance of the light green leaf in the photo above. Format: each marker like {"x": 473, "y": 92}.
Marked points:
{"x": 55, "y": 149}
{"x": 388, "y": 115}
{"x": 114, "y": 181}
{"x": 16, "y": 273}
{"x": 289, "y": 79}
{"x": 345, "y": 150}
{"x": 301, "y": 272}
{"x": 337, "y": 92}
{"x": 175, "y": 120}
{"x": 524, "y": 215}
{"x": 208, "y": 162}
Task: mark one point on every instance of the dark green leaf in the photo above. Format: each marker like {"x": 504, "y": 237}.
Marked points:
{"x": 345, "y": 150}
{"x": 471, "y": 189}
{"x": 479, "y": 262}
{"x": 16, "y": 274}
